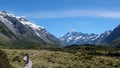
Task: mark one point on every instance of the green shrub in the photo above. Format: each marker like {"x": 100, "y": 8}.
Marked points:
{"x": 4, "y": 62}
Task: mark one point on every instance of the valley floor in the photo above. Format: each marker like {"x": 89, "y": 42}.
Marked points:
{"x": 66, "y": 59}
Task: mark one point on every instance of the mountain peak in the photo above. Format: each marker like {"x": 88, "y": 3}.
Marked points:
{"x": 22, "y": 20}
{"x": 3, "y": 12}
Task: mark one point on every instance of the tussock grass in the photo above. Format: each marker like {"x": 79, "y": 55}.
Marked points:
{"x": 67, "y": 58}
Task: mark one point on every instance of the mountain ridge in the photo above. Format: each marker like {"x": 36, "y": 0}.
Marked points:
{"x": 73, "y": 37}
{"x": 109, "y": 38}
{"x": 24, "y": 30}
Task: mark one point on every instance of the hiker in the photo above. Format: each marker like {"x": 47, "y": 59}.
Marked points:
{"x": 28, "y": 62}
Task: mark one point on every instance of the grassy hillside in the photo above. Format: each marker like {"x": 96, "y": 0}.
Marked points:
{"x": 69, "y": 57}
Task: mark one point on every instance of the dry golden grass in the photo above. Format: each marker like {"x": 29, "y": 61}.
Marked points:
{"x": 60, "y": 59}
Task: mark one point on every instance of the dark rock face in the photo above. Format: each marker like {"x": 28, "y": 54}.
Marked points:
{"x": 115, "y": 34}
{"x": 114, "y": 37}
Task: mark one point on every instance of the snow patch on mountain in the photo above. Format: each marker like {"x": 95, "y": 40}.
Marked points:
{"x": 83, "y": 38}
{"x": 27, "y": 29}
{"x": 32, "y": 25}
{"x": 22, "y": 20}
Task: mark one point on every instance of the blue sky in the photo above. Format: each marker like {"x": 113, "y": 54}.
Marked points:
{"x": 61, "y": 16}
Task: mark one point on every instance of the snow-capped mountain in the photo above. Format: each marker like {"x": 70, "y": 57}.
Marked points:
{"x": 25, "y": 30}
{"x": 83, "y": 38}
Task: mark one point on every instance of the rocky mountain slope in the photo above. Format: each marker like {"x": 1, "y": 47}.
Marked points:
{"x": 15, "y": 29}
{"x": 114, "y": 37}
{"x": 115, "y": 34}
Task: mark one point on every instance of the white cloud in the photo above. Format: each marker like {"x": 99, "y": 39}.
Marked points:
{"x": 73, "y": 13}
{"x": 73, "y": 30}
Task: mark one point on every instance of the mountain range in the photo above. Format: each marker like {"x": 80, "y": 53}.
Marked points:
{"x": 17, "y": 31}
{"x": 74, "y": 37}
{"x": 111, "y": 38}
